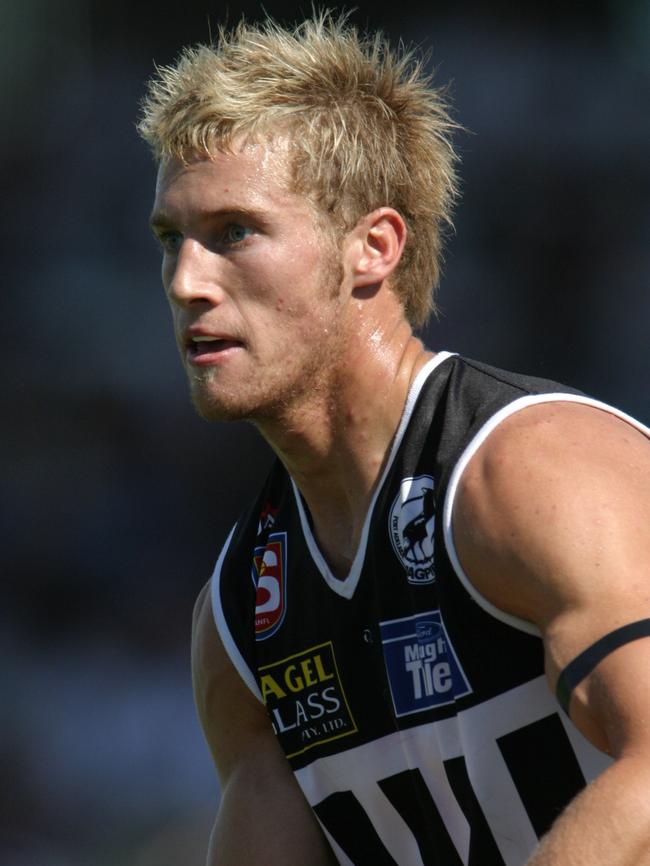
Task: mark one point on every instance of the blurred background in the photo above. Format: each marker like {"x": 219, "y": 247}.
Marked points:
{"x": 115, "y": 496}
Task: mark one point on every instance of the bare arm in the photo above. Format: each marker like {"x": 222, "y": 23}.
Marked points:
{"x": 263, "y": 816}
{"x": 552, "y": 524}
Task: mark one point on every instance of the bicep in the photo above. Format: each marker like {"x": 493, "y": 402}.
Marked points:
{"x": 263, "y": 816}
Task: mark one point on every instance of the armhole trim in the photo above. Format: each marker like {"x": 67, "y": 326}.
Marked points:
{"x": 461, "y": 465}
{"x": 222, "y": 626}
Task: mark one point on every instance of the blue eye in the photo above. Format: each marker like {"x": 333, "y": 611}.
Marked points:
{"x": 235, "y": 233}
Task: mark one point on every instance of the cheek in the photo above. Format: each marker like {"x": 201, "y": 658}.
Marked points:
{"x": 176, "y": 324}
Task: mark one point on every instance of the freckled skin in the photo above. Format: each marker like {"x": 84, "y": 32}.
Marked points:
{"x": 274, "y": 292}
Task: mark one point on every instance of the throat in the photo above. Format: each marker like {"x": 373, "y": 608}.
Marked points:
{"x": 338, "y": 546}
{"x": 336, "y": 527}
{"x": 338, "y": 563}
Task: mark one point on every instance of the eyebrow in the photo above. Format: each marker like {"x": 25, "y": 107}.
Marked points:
{"x": 161, "y": 219}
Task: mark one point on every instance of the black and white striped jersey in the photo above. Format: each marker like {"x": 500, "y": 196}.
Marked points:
{"x": 415, "y": 715}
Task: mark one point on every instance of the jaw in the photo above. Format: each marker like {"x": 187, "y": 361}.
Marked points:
{"x": 274, "y": 394}
{"x": 287, "y": 367}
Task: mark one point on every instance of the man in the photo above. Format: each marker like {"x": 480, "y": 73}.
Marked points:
{"x": 425, "y": 641}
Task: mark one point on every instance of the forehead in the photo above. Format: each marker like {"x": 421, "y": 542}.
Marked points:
{"x": 254, "y": 176}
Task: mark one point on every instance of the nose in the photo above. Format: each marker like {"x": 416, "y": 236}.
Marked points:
{"x": 191, "y": 277}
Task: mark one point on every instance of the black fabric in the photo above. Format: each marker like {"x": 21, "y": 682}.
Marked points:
{"x": 483, "y": 850}
{"x": 422, "y": 816}
{"x": 544, "y": 768}
{"x": 343, "y": 817}
{"x": 359, "y": 689}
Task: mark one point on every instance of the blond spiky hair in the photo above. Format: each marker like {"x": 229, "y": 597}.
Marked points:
{"x": 365, "y": 125}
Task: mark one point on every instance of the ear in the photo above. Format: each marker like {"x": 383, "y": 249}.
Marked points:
{"x": 376, "y": 246}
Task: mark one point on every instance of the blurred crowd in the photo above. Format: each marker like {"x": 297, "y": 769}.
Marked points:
{"x": 115, "y": 496}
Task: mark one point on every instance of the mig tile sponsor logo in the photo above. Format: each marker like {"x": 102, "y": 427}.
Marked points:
{"x": 422, "y": 666}
{"x": 269, "y": 573}
{"x": 305, "y": 699}
{"x": 410, "y": 523}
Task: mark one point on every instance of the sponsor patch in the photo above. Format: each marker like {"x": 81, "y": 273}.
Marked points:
{"x": 305, "y": 699}
{"x": 410, "y": 523}
{"x": 423, "y": 670}
{"x": 269, "y": 573}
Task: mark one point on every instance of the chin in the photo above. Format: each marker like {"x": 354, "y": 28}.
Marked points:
{"x": 255, "y": 402}
{"x": 213, "y": 406}
{"x": 216, "y": 410}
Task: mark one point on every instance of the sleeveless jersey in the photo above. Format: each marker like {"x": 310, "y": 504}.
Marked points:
{"x": 415, "y": 715}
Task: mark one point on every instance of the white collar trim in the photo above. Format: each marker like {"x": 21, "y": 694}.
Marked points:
{"x": 348, "y": 585}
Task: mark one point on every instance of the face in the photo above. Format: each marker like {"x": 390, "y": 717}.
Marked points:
{"x": 252, "y": 280}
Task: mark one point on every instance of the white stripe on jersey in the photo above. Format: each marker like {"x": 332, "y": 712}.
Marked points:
{"x": 426, "y": 747}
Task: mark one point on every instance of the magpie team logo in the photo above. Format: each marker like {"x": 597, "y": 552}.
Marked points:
{"x": 269, "y": 573}
{"x": 411, "y": 523}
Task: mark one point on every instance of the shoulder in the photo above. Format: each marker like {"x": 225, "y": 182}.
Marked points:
{"x": 486, "y": 383}
{"x": 478, "y": 397}
{"x": 540, "y": 438}
{"x": 552, "y": 485}
{"x": 565, "y": 443}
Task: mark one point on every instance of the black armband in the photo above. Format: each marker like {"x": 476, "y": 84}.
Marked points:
{"x": 575, "y": 672}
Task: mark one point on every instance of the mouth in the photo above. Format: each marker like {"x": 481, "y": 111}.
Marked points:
{"x": 207, "y": 349}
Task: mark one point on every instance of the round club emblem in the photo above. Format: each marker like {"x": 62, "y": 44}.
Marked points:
{"x": 411, "y": 522}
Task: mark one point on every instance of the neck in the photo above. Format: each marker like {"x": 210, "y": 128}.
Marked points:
{"x": 334, "y": 442}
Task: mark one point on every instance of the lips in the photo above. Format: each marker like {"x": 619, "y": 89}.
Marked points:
{"x": 203, "y": 348}
{"x": 206, "y": 345}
